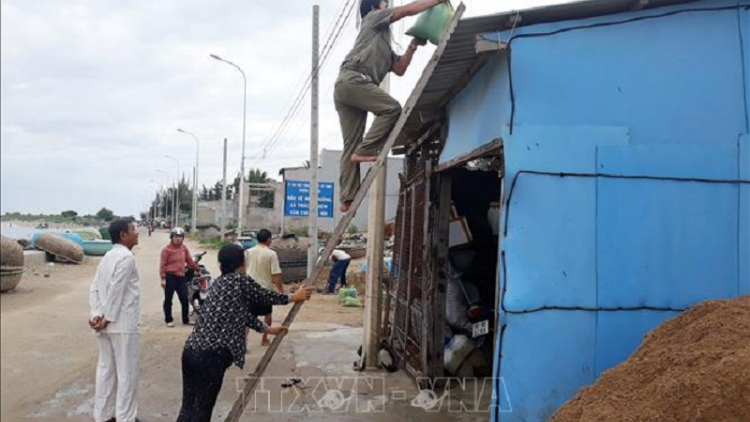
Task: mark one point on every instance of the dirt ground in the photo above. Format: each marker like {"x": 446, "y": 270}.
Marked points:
{"x": 694, "y": 367}
{"x": 48, "y": 357}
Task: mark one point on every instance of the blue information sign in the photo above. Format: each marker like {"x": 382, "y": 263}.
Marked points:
{"x": 297, "y": 199}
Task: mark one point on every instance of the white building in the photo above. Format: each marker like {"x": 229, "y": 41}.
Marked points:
{"x": 328, "y": 172}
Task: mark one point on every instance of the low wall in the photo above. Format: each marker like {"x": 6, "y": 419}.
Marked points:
{"x": 34, "y": 259}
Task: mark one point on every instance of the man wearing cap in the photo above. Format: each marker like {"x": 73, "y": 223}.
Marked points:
{"x": 357, "y": 90}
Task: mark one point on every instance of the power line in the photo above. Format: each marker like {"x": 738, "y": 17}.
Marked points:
{"x": 303, "y": 94}
{"x": 305, "y": 85}
{"x": 302, "y": 83}
{"x": 328, "y": 48}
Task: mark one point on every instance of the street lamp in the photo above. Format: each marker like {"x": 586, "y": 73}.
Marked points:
{"x": 240, "y": 213}
{"x": 176, "y": 192}
{"x": 195, "y": 179}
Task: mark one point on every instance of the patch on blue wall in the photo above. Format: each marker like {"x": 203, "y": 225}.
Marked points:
{"x": 537, "y": 380}
{"x": 479, "y": 113}
{"x": 550, "y": 240}
{"x": 667, "y": 243}
{"x": 744, "y": 229}
{"x": 675, "y": 79}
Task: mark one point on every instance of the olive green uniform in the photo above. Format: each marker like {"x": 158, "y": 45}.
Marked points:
{"x": 357, "y": 92}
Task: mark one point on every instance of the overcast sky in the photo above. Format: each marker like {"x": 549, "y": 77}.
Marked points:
{"x": 93, "y": 93}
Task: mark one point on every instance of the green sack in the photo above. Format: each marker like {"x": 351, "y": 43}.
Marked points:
{"x": 346, "y": 292}
{"x": 432, "y": 23}
{"x": 352, "y": 302}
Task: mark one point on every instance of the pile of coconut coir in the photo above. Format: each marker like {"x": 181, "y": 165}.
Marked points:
{"x": 695, "y": 367}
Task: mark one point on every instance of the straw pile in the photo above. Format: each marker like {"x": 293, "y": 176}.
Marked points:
{"x": 62, "y": 248}
{"x": 11, "y": 264}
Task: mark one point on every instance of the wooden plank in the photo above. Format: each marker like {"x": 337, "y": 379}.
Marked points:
{"x": 439, "y": 245}
{"x": 374, "y": 277}
{"x": 486, "y": 45}
{"x": 411, "y": 147}
{"x": 239, "y": 405}
{"x": 409, "y": 279}
{"x": 480, "y": 152}
{"x": 399, "y": 275}
{"x": 426, "y": 298}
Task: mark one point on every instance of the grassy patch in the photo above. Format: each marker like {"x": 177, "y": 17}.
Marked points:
{"x": 215, "y": 242}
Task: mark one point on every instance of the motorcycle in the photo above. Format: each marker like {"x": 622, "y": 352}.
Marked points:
{"x": 197, "y": 284}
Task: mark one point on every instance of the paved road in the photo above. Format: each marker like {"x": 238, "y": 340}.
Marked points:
{"x": 48, "y": 355}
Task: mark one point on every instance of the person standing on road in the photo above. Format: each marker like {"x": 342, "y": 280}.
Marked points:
{"x": 174, "y": 257}
{"x": 114, "y": 297}
{"x": 219, "y": 337}
{"x": 357, "y": 90}
{"x": 263, "y": 267}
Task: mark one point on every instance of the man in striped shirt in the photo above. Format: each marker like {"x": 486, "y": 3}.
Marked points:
{"x": 114, "y": 297}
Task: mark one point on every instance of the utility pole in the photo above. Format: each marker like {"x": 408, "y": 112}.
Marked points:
{"x": 194, "y": 219}
{"x": 374, "y": 277}
{"x": 174, "y": 202}
{"x": 195, "y": 178}
{"x": 313, "y": 225}
{"x": 223, "y": 219}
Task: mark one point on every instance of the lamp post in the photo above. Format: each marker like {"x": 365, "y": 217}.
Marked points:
{"x": 240, "y": 213}
{"x": 176, "y": 192}
{"x": 195, "y": 180}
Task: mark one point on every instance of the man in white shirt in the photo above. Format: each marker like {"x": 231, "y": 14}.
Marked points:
{"x": 263, "y": 267}
{"x": 341, "y": 262}
{"x": 114, "y": 297}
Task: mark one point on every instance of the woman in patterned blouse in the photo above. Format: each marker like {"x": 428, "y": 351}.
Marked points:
{"x": 218, "y": 339}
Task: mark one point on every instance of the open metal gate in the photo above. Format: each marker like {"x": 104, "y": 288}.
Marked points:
{"x": 415, "y": 336}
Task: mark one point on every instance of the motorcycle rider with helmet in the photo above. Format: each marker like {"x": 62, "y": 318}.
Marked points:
{"x": 174, "y": 258}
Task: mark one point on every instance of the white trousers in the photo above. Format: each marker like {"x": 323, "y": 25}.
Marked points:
{"x": 117, "y": 378}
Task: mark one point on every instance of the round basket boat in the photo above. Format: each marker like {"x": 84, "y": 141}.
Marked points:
{"x": 96, "y": 247}
{"x": 87, "y": 233}
{"x": 62, "y": 248}
{"x": 11, "y": 253}
{"x": 9, "y": 279}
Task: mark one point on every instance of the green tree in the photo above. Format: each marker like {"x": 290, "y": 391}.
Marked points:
{"x": 216, "y": 191}
{"x": 69, "y": 214}
{"x": 205, "y": 194}
{"x": 105, "y": 214}
{"x": 265, "y": 199}
{"x": 185, "y": 192}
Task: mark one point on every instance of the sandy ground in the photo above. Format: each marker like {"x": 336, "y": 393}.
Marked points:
{"x": 48, "y": 356}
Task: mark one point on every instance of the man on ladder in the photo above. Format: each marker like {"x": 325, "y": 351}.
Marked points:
{"x": 357, "y": 90}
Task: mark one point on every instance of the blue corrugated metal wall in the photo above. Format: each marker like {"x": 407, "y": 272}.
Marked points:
{"x": 470, "y": 129}
{"x": 648, "y": 119}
